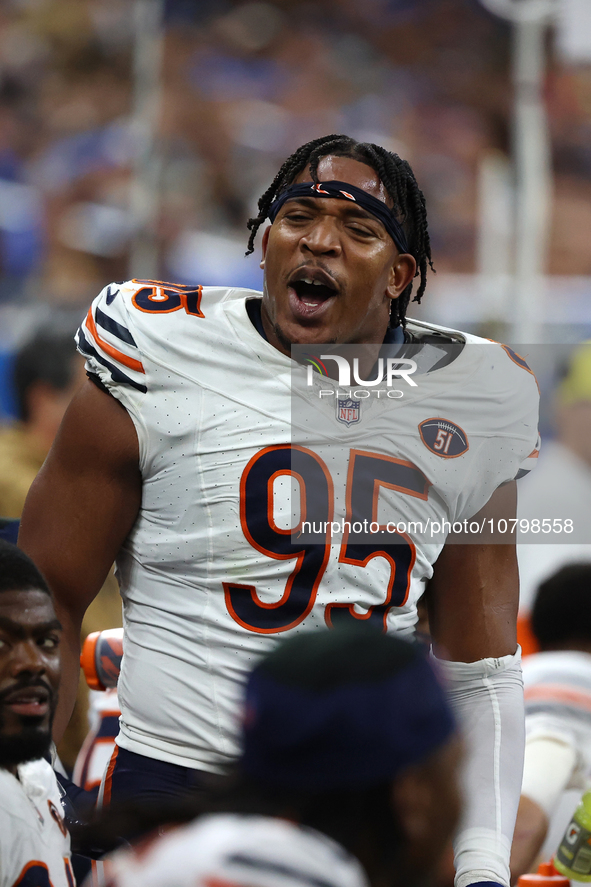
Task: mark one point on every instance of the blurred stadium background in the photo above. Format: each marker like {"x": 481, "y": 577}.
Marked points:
{"x": 137, "y": 135}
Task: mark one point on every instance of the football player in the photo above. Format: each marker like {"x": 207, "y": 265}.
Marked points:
{"x": 307, "y": 802}
{"x": 557, "y": 684}
{"x": 34, "y": 842}
{"x": 233, "y": 850}
{"x": 179, "y": 455}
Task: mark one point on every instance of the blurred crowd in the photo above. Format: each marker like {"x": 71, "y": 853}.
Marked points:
{"x": 242, "y": 84}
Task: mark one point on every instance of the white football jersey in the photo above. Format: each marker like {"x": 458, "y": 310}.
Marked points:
{"x": 557, "y": 686}
{"x": 34, "y": 842}
{"x": 234, "y": 850}
{"x": 210, "y": 575}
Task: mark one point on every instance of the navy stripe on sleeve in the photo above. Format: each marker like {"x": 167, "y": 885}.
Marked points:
{"x": 116, "y": 373}
{"x": 112, "y": 293}
{"x": 277, "y": 868}
{"x": 107, "y": 323}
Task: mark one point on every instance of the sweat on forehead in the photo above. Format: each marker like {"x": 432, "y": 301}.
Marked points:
{"x": 345, "y": 191}
{"x": 381, "y": 171}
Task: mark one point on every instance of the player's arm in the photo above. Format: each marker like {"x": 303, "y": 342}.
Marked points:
{"x": 78, "y": 513}
{"x": 474, "y": 592}
{"x": 473, "y": 600}
{"x": 531, "y": 829}
{"x": 554, "y": 761}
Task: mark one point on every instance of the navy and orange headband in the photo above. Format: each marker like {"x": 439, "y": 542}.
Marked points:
{"x": 344, "y": 191}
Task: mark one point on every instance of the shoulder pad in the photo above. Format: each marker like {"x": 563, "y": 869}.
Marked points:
{"x": 420, "y": 333}
{"x": 432, "y": 346}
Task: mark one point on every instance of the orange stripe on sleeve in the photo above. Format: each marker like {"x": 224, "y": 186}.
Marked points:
{"x": 560, "y": 694}
{"x": 118, "y": 355}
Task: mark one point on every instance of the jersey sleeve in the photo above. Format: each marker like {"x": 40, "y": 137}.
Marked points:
{"x": 530, "y": 460}
{"x": 558, "y": 706}
{"x": 107, "y": 342}
{"x": 528, "y": 408}
{"x": 505, "y": 423}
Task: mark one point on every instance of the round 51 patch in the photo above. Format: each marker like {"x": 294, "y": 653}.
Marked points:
{"x": 444, "y": 438}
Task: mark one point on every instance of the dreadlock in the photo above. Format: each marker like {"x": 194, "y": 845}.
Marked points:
{"x": 398, "y": 180}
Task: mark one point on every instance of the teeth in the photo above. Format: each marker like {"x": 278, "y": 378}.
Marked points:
{"x": 309, "y": 281}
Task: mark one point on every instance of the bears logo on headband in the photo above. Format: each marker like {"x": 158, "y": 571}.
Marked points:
{"x": 345, "y": 191}
{"x": 319, "y": 189}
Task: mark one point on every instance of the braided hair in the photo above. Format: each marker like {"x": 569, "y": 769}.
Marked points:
{"x": 398, "y": 180}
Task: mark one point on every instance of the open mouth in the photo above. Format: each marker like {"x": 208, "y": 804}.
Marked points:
{"x": 310, "y": 292}
{"x": 28, "y": 701}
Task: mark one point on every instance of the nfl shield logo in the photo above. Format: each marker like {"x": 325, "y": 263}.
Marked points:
{"x": 348, "y": 411}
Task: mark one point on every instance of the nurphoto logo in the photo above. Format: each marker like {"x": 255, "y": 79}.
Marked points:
{"x": 349, "y": 378}
{"x": 385, "y": 368}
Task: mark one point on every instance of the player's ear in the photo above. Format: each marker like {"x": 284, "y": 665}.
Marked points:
{"x": 264, "y": 245}
{"x": 402, "y": 271}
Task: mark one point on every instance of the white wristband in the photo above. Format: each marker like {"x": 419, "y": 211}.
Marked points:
{"x": 549, "y": 764}
{"x": 487, "y": 697}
